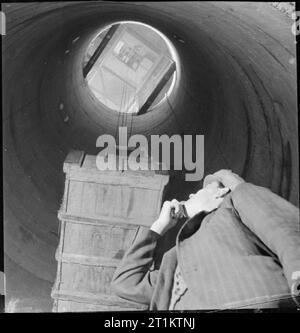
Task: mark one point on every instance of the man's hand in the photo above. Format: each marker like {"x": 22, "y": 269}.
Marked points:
{"x": 228, "y": 178}
{"x": 205, "y": 200}
{"x": 165, "y": 220}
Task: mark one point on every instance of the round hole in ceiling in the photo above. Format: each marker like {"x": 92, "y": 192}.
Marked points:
{"x": 131, "y": 67}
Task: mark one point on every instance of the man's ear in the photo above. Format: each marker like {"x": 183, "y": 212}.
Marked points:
{"x": 223, "y": 191}
{"x": 210, "y": 179}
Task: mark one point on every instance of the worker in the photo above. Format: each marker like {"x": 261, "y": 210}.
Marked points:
{"x": 239, "y": 248}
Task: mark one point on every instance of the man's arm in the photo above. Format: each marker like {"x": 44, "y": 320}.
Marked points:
{"x": 133, "y": 279}
{"x": 274, "y": 220}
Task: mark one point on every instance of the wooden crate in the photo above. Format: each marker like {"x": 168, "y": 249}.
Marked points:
{"x": 99, "y": 218}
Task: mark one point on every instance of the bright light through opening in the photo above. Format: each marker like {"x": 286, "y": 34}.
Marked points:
{"x": 131, "y": 67}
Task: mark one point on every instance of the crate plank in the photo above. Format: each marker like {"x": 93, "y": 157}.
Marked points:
{"x": 71, "y": 306}
{"x": 86, "y": 278}
{"x": 102, "y": 241}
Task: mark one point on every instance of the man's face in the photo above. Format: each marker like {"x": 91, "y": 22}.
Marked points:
{"x": 207, "y": 199}
{"x": 212, "y": 188}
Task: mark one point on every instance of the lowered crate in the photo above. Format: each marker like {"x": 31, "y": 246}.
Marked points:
{"x": 99, "y": 218}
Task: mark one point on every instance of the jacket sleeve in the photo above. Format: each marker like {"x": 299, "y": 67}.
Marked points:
{"x": 275, "y": 222}
{"x": 134, "y": 279}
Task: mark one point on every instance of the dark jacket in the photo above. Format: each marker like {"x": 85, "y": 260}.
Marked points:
{"x": 242, "y": 256}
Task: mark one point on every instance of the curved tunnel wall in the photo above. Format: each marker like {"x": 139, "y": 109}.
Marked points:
{"x": 237, "y": 87}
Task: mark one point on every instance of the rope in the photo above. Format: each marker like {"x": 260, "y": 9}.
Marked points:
{"x": 174, "y": 114}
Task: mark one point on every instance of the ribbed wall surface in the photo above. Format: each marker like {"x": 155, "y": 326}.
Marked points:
{"x": 237, "y": 87}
